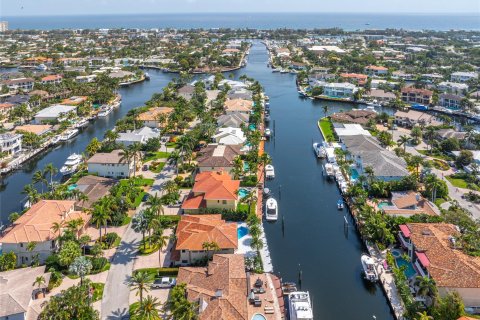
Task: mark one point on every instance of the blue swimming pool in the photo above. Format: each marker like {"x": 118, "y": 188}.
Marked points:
{"x": 242, "y": 232}
{"x": 246, "y": 167}
{"x": 354, "y": 174}
{"x": 382, "y": 204}
{"x": 258, "y": 316}
{"x": 71, "y": 187}
{"x": 252, "y": 127}
{"x": 242, "y": 193}
{"x": 409, "y": 271}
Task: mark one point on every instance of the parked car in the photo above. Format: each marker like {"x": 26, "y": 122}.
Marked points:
{"x": 164, "y": 282}
{"x": 145, "y": 167}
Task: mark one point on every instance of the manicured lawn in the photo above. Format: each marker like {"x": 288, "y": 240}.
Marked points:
{"x": 97, "y": 291}
{"x": 440, "y": 164}
{"x": 155, "y": 156}
{"x": 126, "y": 220}
{"x": 435, "y": 155}
{"x": 171, "y": 145}
{"x": 457, "y": 182}
{"x": 159, "y": 272}
{"x": 138, "y": 182}
{"x": 327, "y": 130}
{"x": 138, "y": 199}
{"x": 157, "y": 167}
{"x": 149, "y": 248}
{"x": 439, "y": 201}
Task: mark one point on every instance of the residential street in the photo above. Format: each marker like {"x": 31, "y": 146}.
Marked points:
{"x": 115, "y": 302}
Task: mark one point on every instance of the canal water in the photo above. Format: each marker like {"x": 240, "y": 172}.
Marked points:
{"x": 312, "y": 237}
{"x": 11, "y": 186}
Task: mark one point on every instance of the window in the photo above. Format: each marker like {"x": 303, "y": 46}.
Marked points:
{"x": 224, "y": 201}
{"x": 183, "y": 251}
{"x": 184, "y": 261}
{"x": 21, "y": 245}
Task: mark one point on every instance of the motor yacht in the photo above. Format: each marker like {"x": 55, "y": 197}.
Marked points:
{"x": 269, "y": 171}
{"x": 69, "y": 134}
{"x": 71, "y": 165}
{"x": 271, "y": 210}
{"x": 300, "y": 306}
{"x": 369, "y": 268}
{"x": 319, "y": 150}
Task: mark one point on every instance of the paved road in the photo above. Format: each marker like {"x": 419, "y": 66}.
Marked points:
{"x": 115, "y": 301}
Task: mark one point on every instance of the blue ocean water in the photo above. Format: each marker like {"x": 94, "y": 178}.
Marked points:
{"x": 346, "y": 21}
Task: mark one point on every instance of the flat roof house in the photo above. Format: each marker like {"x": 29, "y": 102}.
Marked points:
{"x": 53, "y": 113}
{"x": 434, "y": 253}
{"x": 339, "y": 90}
{"x": 10, "y": 143}
{"x": 195, "y": 230}
{"x": 110, "y": 165}
{"x": 215, "y": 157}
{"x": 35, "y": 225}
{"x": 463, "y": 76}
{"x": 212, "y": 190}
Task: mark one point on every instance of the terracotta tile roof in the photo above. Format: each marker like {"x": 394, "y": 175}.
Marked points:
{"x": 74, "y": 100}
{"x": 449, "y": 267}
{"x": 152, "y": 114}
{"x": 376, "y": 68}
{"x": 424, "y": 92}
{"x": 194, "y": 230}
{"x": 226, "y": 272}
{"x": 216, "y": 185}
{"x": 52, "y": 77}
{"x": 238, "y": 105}
{"x": 37, "y": 129}
{"x": 354, "y": 116}
{"x": 194, "y": 202}
{"x": 35, "y": 224}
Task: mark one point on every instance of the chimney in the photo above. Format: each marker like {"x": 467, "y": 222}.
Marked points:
{"x": 218, "y": 293}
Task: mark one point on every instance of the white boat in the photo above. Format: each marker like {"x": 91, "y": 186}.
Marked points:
{"x": 41, "y": 67}
{"x": 269, "y": 171}
{"x": 329, "y": 171}
{"x": 71, "y": 165}
{"x": 283, "y": 71}
{"x": 369, "y": 268}
{"x": 69, "y": 134}
{"x": 340, "y": 204}
{"x": 81, "y": 123}
{"x": 300, "y": 306}
{"x": 147, "y": 76}
{"x": 319, "y": 150}
{"x": 55, "y": 140}
{"x": 275, "y": 70}
{"x": 105, "y": 111}
{"x": 268, "y": 133}
{"x": 271, "y": 210}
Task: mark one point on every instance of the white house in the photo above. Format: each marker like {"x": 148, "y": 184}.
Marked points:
{"x": 25, "y": 84}
{"x": 339, "y": 90}
{"x": 35, "y": 226}
{"x": 452, "y": 87}
{"x": 463, "y": 76}
{"x": 110, "y": 165}
{"x": 53, "y": 113}
{"x": 229, "y": 136}
{"x": 140, "y": 135}
{"x": 376, "y": 70}
{"x": 10, "y": 143}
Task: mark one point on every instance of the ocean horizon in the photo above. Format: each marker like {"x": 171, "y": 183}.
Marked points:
{"x": 346, "y": 21}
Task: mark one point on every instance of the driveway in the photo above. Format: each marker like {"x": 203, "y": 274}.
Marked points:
{"x": 115, "y": 301}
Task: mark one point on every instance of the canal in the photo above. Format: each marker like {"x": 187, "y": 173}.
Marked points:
{"x": 312, "y": 238}
{"x": 11, "y": 186}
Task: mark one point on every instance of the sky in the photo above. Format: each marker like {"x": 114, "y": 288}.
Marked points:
{"x": 80, "y": 7}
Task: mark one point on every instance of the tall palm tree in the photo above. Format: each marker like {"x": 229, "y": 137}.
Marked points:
{"x": 140, "y": 281}
{"x": 75, "y": 225}
{"x": 175, "y": 158}
{"x": 38, "y": 177}
{"x": 155, "y": 203}
{"x": 32, "y": 193}
{"x": 51, "y": 170}
{"x": 426, "y": 286}
{"x": 57, "y": 227}
{"x": 40, "y": 281}
{"x": 170, "y": 186}
{"x": 210, "y": 247}
{"x": 140, "y": 223}
{"x": 135, "y": 154}
{"x": 256, "y": 243}
{"x": 370, "y": 173}
{"x": 403, "y": 140}
{"x": 423, "y": 316}
{"x": 148, "y": 309}
{"x": 100, "y": 217}
{"x": 161, "y": 241}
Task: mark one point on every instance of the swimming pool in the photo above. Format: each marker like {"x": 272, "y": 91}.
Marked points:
{"x": 354, "y": 174}
{"x": 382, "y": 204}
{"x": 242, "y": 232}
{"x": 71, "y": 187}
{"x": 246, "y": 167}
{"x": 409, "y": 271}
{"x": 242, "y": 193}
{"x": 258, "y": 316}
{"x": 252, "y": 127}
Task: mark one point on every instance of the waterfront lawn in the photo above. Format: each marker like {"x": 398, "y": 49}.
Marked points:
{"x": 326, "y": 127}
{"x": 150, "y": 156}
{"x": 138, "y": 182}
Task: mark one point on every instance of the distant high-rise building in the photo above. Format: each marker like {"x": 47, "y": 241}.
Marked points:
{"x": 3, "y": 26}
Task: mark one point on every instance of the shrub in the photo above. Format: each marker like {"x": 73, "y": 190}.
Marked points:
{"x": 109, "y": 239}
{"x": 249, "y": 181}
{"x": 98, "y": 264}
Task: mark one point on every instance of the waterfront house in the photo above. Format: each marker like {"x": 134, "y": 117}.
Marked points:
{"x": 94, "y": 188}
{"x": 111, "y": 165}
{"x": 365, "y": 151}
{"x": 402, "y": 75}
{"x": 450, "y": 101}
{"x": 353, "y": 116}
{"x": 223, "y": 290}
{"x": 320, "y": 50}
{"x": 38, "y": 129}
{"x": 140, "y": 135}
{"x": 339, "y": 90}
{"x": 349, "y": 129}
{"x": 215, "y": 157}
{"x": 354, "y": 78}
{"x": 413, "y": 118}
{"x": 18, "y": 290}
{"x": 443, "y": 134}
{"x": 53, "y": 113}
{"x": 10, "y": 143}
{"x": 376, "y": 70}
{"x": 241, "y": 93}
{"x": 35, "y": 225}
{"x": 234, "y": 120}
{"x": 24, "y": 84}
{"x": 463, "y": 76}
{"x": 5, "y": 108}
{"x": 434, "y": 253}
{"x": 53, "y": 79}
{"x": 74, "y": 101}
{"x": 238, "y": 106}
{"x": 151, "y": 117}
{"x": 193, "y": 231}
{"x": 229, "y": 136}
{"x": 452, "y": 87}
{"x": 212, "y": 190}
{"x": 414, "y": 96}
{"x": 407, "y": 204}
{"x": 380, "y": 95}
{"x": 186, "y": 92}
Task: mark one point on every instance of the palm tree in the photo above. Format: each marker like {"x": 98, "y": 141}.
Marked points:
{"x": 140, "y": 223}
{"x": 135, "y": 155}
{"x": 75, "y": 225}
{"x": 423, "y": 316}
{"x": 38, "y": 177}
{"x": 148, "y": 309}
{"x": 210, "y": 246}
{"x": 426, "y": 286}
{"x": 40, "y": 281}
{"x": 170, "y": 186}
{"x": 111, "y": 136}
{"x": 403, "y": 140}
{"x": 155, "y": 203}
{"x": 32, "y": 194}
{"x": 51, "y": 170}
{"x": 256, "y": 243}
{"x": 175, "y": 158}
{"x": 93, "y": 147}
{"x": 416, "y": 161}
{"x": 80, "y": 267}
{"x": 140, "y": 282}
{"x": 370, "y": 173}
{"x": 101, "y": 216}
{"x": 57, "y": 227}
{"x": 161, "y": 241}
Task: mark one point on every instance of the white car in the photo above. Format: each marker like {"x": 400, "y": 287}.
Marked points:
{"x": 164, "y": 282}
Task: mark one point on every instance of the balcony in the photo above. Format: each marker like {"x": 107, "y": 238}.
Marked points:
{"x": 405, "y": 243}
{"x": 419, "y": 269}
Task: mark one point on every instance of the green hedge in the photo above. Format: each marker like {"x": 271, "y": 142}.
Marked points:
{"x": 156, "y": 273}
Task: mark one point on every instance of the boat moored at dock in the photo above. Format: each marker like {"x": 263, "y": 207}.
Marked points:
{"x": 271, "y": 210}
{"x": 369, "y": 268}
{"x": 319, "y": 150}
{"x": 329, "y": 170}
{"x": 71, "y": 165}
{"x": 269, "y": 171}
{"x": 300, "y": 306}
{"x": 69, "y": 134}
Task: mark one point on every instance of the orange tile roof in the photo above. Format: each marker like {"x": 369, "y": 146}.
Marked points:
{"x": 37, "y": 129}
{"x": 376, "y": 68}
{"x": 226, "y": 272}
{"x": 238, "y": 105}
{"x": 216, "y": 185}
{"x": 35, "y": 224}
{"x": 449, "y": 267}
{"x": 194, "y": 230}
{"x": 152, "y": 114}
{"x": 74, "y": 100}
{"x": 52, "y": 77}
